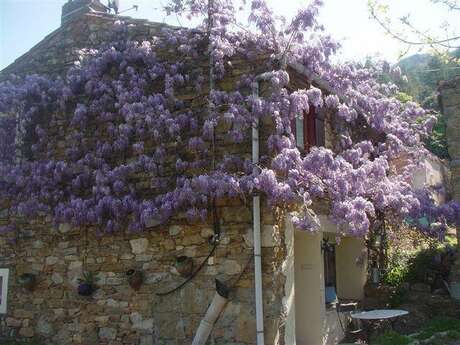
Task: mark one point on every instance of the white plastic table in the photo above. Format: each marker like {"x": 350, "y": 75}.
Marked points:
{"x": 378, "y": 314}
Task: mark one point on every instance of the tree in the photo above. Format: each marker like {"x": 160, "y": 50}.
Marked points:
{"x": 405, "y": 31}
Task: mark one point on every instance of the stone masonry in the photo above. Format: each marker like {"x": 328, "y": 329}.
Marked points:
{"x": 450, "y": 105}
{"x": 53, "y": 313}
{"x": 115, "y": 313}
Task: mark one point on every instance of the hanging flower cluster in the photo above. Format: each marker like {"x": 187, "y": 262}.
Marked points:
{"x": 131, "y": 136}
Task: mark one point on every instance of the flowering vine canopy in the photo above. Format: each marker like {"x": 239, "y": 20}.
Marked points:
{"x": 81, "y": 148}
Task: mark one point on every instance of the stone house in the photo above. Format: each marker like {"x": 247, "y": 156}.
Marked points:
{"x": 300, "y": 271}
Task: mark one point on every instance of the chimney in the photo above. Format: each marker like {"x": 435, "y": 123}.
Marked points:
{"x": 75, "y": 8}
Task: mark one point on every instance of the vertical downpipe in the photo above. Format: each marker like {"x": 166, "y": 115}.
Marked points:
{"x": 256, "y": 228}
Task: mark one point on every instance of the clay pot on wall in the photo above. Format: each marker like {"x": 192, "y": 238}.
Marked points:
{"x": 27, "y": 281}
{"x": 184, "y": 265}
{"x": 135, "y": 279}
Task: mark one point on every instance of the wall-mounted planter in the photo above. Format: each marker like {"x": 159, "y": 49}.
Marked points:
{"x": 86, "y": 286}
{"x": 27, "y": 281}
{"x": 135, "y": 279}
{"x": 184, "y": 265}
{"x": 85, "y": 289}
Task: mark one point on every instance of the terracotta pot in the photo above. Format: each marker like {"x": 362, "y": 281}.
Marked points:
{"x": 135, "y": 279}
{"x": 184, "y": 265}
{"x": 85, "y": 289}
{"x": 27, "y": 281}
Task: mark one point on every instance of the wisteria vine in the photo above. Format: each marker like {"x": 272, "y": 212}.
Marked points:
{"x": 130, "y": 137}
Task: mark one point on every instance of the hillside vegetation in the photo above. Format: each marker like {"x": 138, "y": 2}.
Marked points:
{"x": 424, "y": 72}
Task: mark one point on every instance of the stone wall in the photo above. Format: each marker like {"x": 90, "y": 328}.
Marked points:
{"x": 450, "y": 103}
{"x": 54, "y": 313}
{"x": 115, "y": 313}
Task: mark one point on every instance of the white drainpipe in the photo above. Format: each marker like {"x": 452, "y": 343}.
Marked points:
{"x": 256, "y": 228}
{"x": 256, "y": 223}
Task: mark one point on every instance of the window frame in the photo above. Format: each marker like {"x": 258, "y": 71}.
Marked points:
{"x": 313, "y": 131}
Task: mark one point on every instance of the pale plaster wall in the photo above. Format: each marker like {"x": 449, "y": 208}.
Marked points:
{"x": 308, "y": 322}
{"x": 351, "y": 268}
{"x": 289, "y": 285}
{"x": 432, "y": 173}
{"x": 309, "y": 288}
{"x": 327, "y": 226}
{"x": 333, "y": 332}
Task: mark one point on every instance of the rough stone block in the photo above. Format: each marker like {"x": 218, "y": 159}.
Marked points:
{"x": 139, "y": 245}
{"x": 65, "y": 228}
{"x": 144, "y": 325}
{"x": 12, "y": 322}
{"x": 75, "y": 265}
{"x": 51, "y": 260}
{"x": 114, "y": 281}
{"x": 44, "y": 327}
{"x": 144, "y": 257}
{"x": 147, "y": 340}
{"x": 103, "y": 320}
{"x": 175, "y": 230}
{"x": 228, "y": 266}
{"x": 27, "y": 332}
{"x": 23, "y": 314}
{"x": 107, "y": 333}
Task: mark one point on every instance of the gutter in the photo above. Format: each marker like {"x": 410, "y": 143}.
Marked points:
{"x": 83, "y": 9}
{"x": 314, "y": 77}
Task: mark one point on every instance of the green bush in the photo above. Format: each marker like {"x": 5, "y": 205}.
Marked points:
{"x": 422, "y": 266}
{"x": 396, "y": 274}
{"x": 398, "y": 267}
{"x": 418, "y": 266}
{"x": 398, "y": 297}
{"x": 415, "y": 267}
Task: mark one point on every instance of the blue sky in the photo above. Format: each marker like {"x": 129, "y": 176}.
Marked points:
{"x": 23, "y": 23}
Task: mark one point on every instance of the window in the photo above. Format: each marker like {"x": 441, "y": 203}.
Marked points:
{"x": 329, "y": 266}
{"x": 330, "y": 282}
{"x": 309, "y": 131}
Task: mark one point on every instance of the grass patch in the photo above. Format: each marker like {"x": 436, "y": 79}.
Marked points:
{"x": 445, "y": 339}
{"x": 447, "y": 325}
{"x": 391, "y": 338}
{"x": 439, "y": 324}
